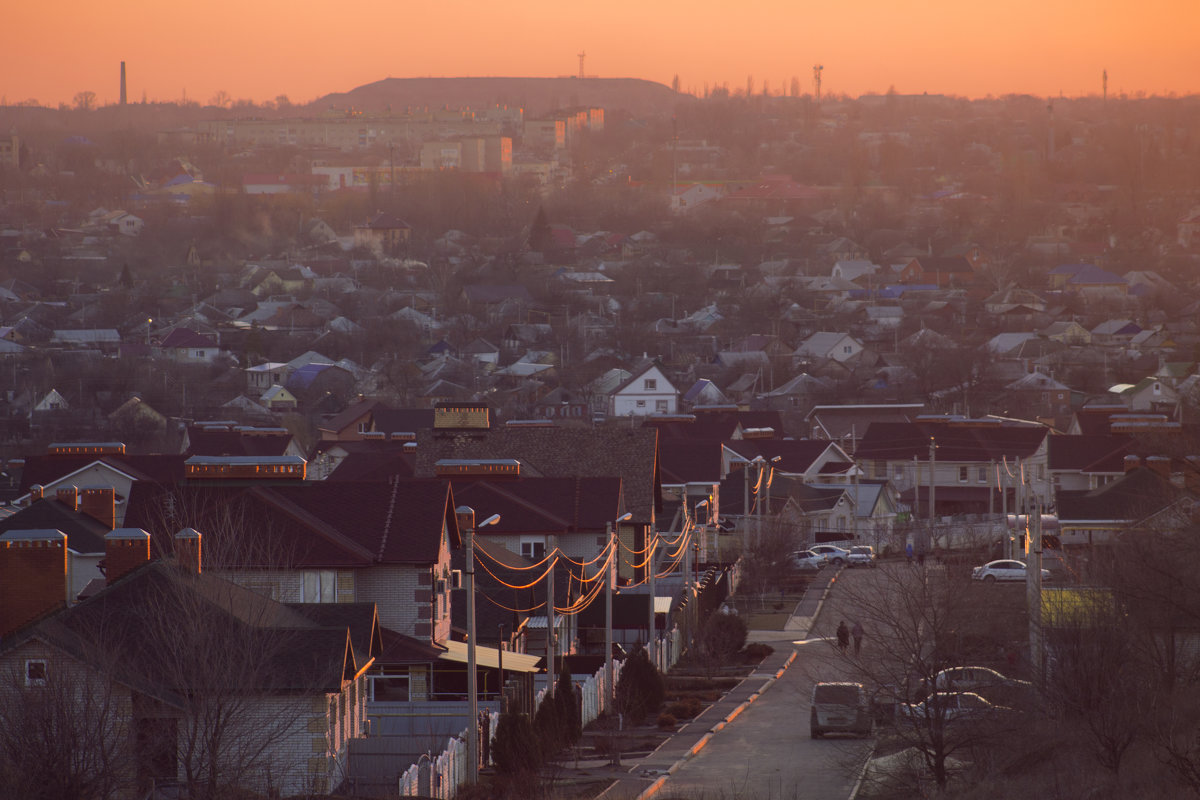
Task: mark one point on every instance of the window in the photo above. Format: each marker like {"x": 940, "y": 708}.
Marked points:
{"x": 389, "y": 688}
{"x": 962, "y": 475}
{"x": 320, "y": 586}
{"x": 641, "y": 403}
{"x": 660, "y": 406}
{"x": 982, "y": 475}
{"x": 364, "y": 427}
{"x": 846, "y": 348}
{"x": 533, "y": 549}
{"x": 36, "y": 673}
{"x": 650, "y": 384}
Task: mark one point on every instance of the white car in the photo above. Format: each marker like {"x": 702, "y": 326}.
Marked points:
{"x": 862, "y": 555}
{"x": 1004, "y": 569}
{"x": 975, "y": 678}
{"x": 948, "y": 707}
{"x": 832, "y": 554}
{"x": 807, "y": 560}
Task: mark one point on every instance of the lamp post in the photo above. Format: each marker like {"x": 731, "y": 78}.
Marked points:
{"x": 610, "y": 578}
{"x": 500, "y": 665}
{"x": 466, "y": 516}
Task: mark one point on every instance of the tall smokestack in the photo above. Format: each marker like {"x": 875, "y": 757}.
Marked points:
{"x": 122, "y": 83}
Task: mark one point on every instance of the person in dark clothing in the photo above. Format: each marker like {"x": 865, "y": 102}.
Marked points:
{"x": 843, "y": 636}
{"x": 857, "y": 633}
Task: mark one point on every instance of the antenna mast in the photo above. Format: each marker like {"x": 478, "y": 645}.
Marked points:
{"x": 817, "y": 68}
{"x": 581, "y": 57}
{"x": 1104, "y": 80}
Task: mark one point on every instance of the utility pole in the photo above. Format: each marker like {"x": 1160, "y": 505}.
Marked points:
{"x": 932, "y": 489}
{"x": 610, "y": 579}
{"x": 1033, "y": 590}
{"x": 651, "y": 641}
{"x": 551, "y": 672}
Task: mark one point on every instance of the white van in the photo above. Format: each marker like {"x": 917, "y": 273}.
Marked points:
{"x": 839, "y": 708}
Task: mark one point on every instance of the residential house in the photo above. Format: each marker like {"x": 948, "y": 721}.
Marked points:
{"x": 184, "y": 346}
{"x": 263, "y": 376}
{"x": 159, "y": 639}
{"x": 384, "y": 234}
{"x": 1088, "y": 281}
{"x": 963, "y": 460}
{"x": 1040, "y": 395}
{"x": 825, "y": 344}
{"x": 1083, "y": 462}
{"x": 279, "y": 400}
{"x": 846, "y": 423}
{"x": 646, "y": 391}
{"x": 1150, "y": 394}
{"x": 1117, "y": 332}
{"x": 1069, "y": 332}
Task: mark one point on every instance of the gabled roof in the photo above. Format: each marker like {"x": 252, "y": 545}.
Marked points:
{"x": 184, "y": 337}
{"x": 300, "y": 654}
{"x": 84, "y": 534}
{"x": 1136, "y": 494}
{"x": 899, "y": 441}
{"x": 1088, "y": 452}
{"x": 48, "y": 469}
{"x": 544, "y": 505}
{"x": 628, "y": 453}
{"x": 314, "y": 524}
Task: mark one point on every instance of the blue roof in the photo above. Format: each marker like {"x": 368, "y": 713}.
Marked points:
{"x": 1093, "y": 274}
{"x": 303, "y": 377}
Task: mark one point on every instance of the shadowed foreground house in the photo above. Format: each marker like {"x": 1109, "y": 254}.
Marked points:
{"x": 169, "y": 675}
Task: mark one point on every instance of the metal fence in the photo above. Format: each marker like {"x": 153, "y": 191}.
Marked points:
{"x": 440, "y": 776}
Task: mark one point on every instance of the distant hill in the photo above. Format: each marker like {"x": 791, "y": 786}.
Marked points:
{"x": 536, "y": 95}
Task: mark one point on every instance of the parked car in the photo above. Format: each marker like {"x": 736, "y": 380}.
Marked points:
{"x": 973, "y": 679}
{"x": 807, "y": 560}
{"x": 832, "y": 554}
{"x": 839, "y": 708}
{"x": 1004, "y": 569}
{"x": 949, "y": 707}
{"x": 861, "y": 556}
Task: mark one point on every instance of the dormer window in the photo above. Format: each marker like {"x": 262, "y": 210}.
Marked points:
{"x": 650, "y": 384}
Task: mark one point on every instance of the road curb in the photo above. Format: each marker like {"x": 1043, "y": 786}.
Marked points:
{"x": 730, "y": 717}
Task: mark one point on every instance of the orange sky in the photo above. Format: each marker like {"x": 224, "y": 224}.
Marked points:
{"x": 259, "y": 49}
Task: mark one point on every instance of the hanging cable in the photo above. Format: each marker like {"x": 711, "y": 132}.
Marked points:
{"x": 581, "y": 563}
{"x": 498, "y": 604}
{"x": 545, "y": 558}
{"x": 503, "y": 582}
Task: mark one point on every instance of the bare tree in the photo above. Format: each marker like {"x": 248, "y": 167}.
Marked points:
{"x": 85, "y": 100}
{"x": 915, "y": 621}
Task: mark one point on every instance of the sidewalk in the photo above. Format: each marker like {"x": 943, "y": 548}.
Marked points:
{"x": 646, "y": 775}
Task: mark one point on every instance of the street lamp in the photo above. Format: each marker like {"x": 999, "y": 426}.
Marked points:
{"x": 610, "y": 578}
{"x": 466, "y": 515}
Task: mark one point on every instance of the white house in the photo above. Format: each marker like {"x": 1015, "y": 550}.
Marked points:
{"x": 646, "y": 392}
{"x": 824, "y": 344}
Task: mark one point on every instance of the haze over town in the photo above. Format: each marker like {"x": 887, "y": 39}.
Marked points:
{"x": 539, "y": 431}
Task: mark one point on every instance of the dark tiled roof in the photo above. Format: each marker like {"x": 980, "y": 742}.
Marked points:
{"x": 690, "y": 460}
{"x": 381, "y": 463}
{"x": 543, "y": 505}
{"x": 224, "y": 442}
{"x": 313, "y": 524}
{"x": 892, "y": 441}
{"x": 1136, "y": 494}
{"x": 155, "y": 623}
{"x": 795, "y": 455}
{"x": 628, "y": 453}
{"x": 1088, "y": 453}
{"x": 45, "y": 469}
{"x": 84, "y": 534}
{"x": 353, "y": 413}
{"x": 399, "y": 649}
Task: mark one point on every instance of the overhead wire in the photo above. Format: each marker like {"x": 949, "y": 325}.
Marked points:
{"x": 503, "y": 582}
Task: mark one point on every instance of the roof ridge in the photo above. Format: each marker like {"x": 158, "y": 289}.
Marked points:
{"x": 387, "y": 522}
{"x": 315, "y": 523}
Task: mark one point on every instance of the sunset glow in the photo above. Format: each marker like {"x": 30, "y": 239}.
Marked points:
{"x": 264, "y": 48}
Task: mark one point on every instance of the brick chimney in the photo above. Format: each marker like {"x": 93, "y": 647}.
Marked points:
{"x": 35, "y": 492}
{"x": 1132, "y": 462}
{"x": 187, "y": 550}
{"x": 1160, "y": 464}
{"x": 33, "y": 576}
{"x": 69, "y": 497}
{"x": 125, "y": 549}
{"x": 100, "y": 503}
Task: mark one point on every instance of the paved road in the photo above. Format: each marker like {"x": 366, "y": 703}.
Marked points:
{"x": 766, "y": 752}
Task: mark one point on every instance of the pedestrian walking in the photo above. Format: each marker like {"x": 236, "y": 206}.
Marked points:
{"x": 908, "y": 551}
{"x": 843, "y": 636}
{"x": 857, "y": 633}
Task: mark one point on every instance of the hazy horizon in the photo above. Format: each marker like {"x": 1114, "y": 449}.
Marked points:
{"x": 266, "y": 49}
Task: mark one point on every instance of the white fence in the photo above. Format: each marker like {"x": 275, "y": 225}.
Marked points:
{"x": 440, "y": 776}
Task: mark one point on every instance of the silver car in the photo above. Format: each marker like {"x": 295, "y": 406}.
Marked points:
{"x": 1004, "y": 569}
